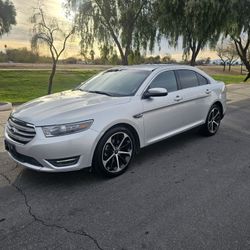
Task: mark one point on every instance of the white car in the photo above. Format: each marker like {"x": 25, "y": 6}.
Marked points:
{"x": 106, "y": 120}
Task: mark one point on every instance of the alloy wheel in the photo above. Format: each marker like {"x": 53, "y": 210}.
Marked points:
{"x": 214, "y": 120}
{"x": 117, "y": 152}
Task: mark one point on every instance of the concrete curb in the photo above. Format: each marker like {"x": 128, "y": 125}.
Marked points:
{"x": 4, "y": 106}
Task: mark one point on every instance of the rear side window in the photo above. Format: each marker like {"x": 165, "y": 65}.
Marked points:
{"x": 188, "y": 78}
{"x": 201, "y": 79}
{"x": 165, "y": 80}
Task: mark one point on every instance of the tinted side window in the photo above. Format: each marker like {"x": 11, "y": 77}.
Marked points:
{"x": 187, "y": 78}
{"x": 201, "y": 79}
{"x": 165, "y": 80}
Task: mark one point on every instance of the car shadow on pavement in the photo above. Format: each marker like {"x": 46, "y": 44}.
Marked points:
{"x": 169, "y": 145}
{"x": 57, "y": 179}
{"x": 86, "y": 176}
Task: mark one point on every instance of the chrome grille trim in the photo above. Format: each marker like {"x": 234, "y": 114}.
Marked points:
{"x": 20, "y": 131}
{"x": 21, "y": 127}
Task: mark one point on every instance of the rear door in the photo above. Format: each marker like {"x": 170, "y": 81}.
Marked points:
{"x": 195, "y": 96}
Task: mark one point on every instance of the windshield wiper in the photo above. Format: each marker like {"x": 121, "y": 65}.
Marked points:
{"x": 99, "y": 92}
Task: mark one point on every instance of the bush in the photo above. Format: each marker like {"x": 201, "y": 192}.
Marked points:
{"x": 21, "y": 55}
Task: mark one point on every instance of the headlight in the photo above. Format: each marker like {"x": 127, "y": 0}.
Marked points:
{"x": 65, "y": 129}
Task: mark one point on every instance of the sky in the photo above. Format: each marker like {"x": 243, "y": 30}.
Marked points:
{"x": 20, "y": 34}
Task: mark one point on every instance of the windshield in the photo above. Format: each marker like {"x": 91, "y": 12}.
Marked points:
{"x": 116, "y": 82}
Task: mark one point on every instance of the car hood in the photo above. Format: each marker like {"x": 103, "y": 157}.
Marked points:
{"x": 65, "y": 107}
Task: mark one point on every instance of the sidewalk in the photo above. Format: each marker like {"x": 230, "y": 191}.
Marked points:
{"x": 3, "y": 118}
{"x": 238, "y": 92}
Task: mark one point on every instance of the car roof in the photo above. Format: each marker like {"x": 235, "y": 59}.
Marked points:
{"x": 152, "y": 67}
{"x": 159, "y": 67}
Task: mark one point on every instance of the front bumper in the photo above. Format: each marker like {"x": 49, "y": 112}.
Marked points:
{"x": 42, "y": 150}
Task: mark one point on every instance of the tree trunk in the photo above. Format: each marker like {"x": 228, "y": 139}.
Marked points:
{"x": 124, "y": 59}
{"x": 229, "y": 67}
{"x": 248, "y": 76}
{"x": 195, "y": 51}
{"x": 242, "y": 52}
{"x": 247, "y": 65}
{"x": 193, "y": 60}
{"x": 51, "y": 77}
{"x": 193, "y": 57}
{"x": 224, "y": 66}
{"x": 123, "y": 56}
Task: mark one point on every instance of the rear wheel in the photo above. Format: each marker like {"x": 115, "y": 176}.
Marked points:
{"x": 213, "y": 121}
{"x": 114, "y": 152}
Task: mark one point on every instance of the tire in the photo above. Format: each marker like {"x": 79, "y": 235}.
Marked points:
{"x": 114, "y": 152}
{"x": 213, "y": 120}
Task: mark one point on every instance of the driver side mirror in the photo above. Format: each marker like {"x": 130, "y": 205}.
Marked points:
{"x": 155, "y": 92}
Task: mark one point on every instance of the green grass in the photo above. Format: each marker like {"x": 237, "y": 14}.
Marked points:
{"x": 228, "y": 79}
{"x": 21, "y": 86}
{"x": 18, "y": 86}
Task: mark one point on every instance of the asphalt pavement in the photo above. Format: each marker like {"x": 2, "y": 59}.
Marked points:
{"x": 187, "y": 192}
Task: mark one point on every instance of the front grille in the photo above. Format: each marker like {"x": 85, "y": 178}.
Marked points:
{"x": 20, "y": 131}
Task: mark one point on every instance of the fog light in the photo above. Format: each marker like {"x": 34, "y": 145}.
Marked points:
{"x": 65, "y": 161}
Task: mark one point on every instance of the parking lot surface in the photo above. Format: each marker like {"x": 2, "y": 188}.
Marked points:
{"x": 187, "y": 192}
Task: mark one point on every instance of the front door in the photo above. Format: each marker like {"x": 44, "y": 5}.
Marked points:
{"x": 162, "y": 116}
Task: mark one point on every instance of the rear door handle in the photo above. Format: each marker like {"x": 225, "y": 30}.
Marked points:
{"x": 178, "y": 98}
{"x": 208, "y": 91}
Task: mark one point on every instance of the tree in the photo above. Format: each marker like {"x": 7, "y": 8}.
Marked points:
{"x": 105, "y": 52}
{"x": 208, "y": 60}
{"x": 126, "y": 25}
{"x": 92, "y": 55}
{"x": 197, "y": 23}
{"x": 48, "y": 32}
{"x": 221, "y": 53}
{"x": 231, "y": 55}
{"x": 7, "y": 16}
{"x": 238, "y": 28}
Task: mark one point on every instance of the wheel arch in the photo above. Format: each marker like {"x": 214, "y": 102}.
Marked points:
{"x": 219, "y": 105}
{"x": 131, "y": 128}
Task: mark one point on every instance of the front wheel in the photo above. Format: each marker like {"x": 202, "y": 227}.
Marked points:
{"x": 213, "y": 121}
{"x": 114, "y": 152}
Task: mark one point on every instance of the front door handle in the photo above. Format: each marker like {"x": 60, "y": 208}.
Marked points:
{"x": 178, "y": 98}
{"x": 208, "y": 91}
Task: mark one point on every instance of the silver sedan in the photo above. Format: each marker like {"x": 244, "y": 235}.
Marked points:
{"x": 106, "y": 120}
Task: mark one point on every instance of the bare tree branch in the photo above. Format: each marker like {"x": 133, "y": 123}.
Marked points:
{"x": 65, "y": 41}
{"x": 47, "y": 32}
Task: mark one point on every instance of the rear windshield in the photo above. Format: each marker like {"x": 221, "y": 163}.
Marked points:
{"x": 116, "y": 82}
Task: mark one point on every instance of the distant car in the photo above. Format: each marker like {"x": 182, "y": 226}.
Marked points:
{"x": 106, "y": 120}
